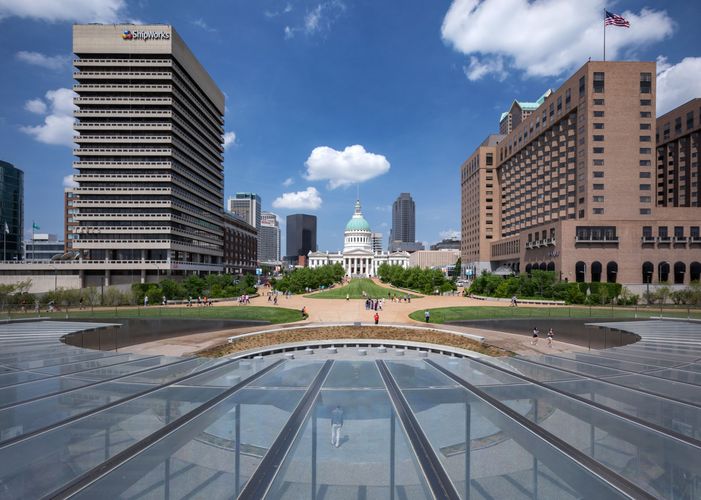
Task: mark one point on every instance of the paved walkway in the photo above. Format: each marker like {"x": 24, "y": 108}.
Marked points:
{"x": 324, "y": 311}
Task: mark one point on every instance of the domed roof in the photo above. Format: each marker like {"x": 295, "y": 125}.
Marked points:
{"x": 358, "y": 222}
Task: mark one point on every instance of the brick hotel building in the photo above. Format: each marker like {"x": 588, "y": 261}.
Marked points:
{"x": 150, "y": 156}
{"x": 578, "y": 186}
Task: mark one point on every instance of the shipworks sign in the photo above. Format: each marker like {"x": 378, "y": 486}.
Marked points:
{"x": 145, "y": 35}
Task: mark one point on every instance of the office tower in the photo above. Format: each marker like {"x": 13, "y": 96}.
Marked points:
{"x": 11, "y": 210}
{"x": 519, "y": 111}
{"x": 269, "y": 236}
{"x": 376, "y": 242}
{"x": 575, "y": 185}
{"x": 240, "y": 246}
{"x": 246, "y": 206}
{"x": 404, "y": 219}
{"x": 150, "y": 157}
{"x": 301, "y": 236}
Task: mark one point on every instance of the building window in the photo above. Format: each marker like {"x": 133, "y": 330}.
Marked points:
{"x": 690, "y": 120}
{"x": 598, "y": 187}
{"x": 598, "y": 82}
{"x": 645, "y": 187}
{"x": 490, "y": 159}
{"x": 598, "y": 138}
{"x": 645, "y": 83}
{"x": 645, "y": 114}
{"x": 645, "y": 163}
{"x": 645, "y": 151}
{"x": 598, "y": 126}
{"x": 598, "y": 150}
{"x": 644, "y": 126}
{"x": 645, "y": 138}
{"x": 645, "y": 102}
{"x": 598, "y": 199}
{"x": 645, "y": 199}
{"x": 663, "y": 232}
{"x": 598, "y": 102}
{"x": 678, "y": 125}
{"x": 645, "y": 211}
{"x": 598, "y": 163}
{"x": 568, "y": 97}
{"x": 582, "y": 86}
{"x": 598, "y": 173}
{"x": 644, "y": 175}
{"x": 694, "y": 232}
{"x": 598, "y": 114}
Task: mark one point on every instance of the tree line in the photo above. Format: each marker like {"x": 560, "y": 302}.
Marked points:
{"x": 426, "y": 281}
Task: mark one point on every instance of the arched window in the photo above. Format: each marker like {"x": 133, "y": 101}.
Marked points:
{"x": 611, "y": 272}
{"x": 528, "y": 269}
{"x": 596, "y": 271}
{"x": 663, "y": 272}
{"x": 551, "y": 266}
{"x": 580, "y": 271}
{"x": 648, "y": 270}
{"x": 543, "y": 266}
{"x": 679, "y": 272}
{"x": 695, "y": 271}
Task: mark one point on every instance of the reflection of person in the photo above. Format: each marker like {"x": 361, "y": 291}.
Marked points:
{"x": 551, "y": 334}
{"x": 336, "y": 424}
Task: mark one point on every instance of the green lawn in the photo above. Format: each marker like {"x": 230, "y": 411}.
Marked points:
{"x": 271, "y": 314}
{"x": 446, "y": 314}
{"x": 355, "y": 290}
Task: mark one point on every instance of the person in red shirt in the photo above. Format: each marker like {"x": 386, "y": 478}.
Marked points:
{"x": 377, "y": 318}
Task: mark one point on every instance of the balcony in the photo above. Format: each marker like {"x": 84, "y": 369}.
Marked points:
{"x": 613, "y": 240}
{"x": 648, "y": 239}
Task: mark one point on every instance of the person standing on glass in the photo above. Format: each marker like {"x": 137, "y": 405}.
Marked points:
{"x": 534, "y": 341}
{"x": 336, "y": 425}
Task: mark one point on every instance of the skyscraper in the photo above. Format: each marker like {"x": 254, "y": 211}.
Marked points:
{"x": 150, "y": 154}
{"x": 246, "y": 206}
{"x": 301, "y": 236}
{"x": 403, "y": 223}
{"x": 11, "y": 210}
{"x": 269, "y": 235}
{"x": 376, "y": 242}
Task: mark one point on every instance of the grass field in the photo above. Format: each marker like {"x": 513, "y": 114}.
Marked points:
{"x": 355, "y": 290}
{"x": 446, "y": 314}
{"x": 271, "y": 314}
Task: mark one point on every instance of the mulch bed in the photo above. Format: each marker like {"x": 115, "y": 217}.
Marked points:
{"x": 350, "y": 332}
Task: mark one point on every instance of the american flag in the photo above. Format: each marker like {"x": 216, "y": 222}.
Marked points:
{"x": 612, "y": 19}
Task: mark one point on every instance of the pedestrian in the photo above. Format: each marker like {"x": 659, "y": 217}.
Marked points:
{"x": 514, "y": 302}
{"x": 377, "y": 318}
{"x": 145, "y": 300}
{"x": 534, "y": 341}
{"x": 336, "y": 425}
{"x": 347, "y": 297}
{"x": 270, "y": 298}
{"x": 275, "y": 301}
{"x": 189, "y": 301}
{"x": 304, "y": 312}
{"x": 551, "y": 334}
{"x": 164, "y": 301}
{"x": 427, "y": 316}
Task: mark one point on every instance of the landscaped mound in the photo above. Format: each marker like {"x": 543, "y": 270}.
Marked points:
{"x": 350, "y": 332}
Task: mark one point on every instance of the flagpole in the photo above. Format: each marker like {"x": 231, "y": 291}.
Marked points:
{"x": 604, "y": 35}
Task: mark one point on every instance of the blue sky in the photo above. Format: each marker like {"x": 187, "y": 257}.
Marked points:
{"x": 415, "y": 85}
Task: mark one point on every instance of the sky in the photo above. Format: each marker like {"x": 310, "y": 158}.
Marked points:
{"x": 328, "y": 98}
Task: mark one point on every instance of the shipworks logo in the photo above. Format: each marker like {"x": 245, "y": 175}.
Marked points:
{"x": 145, "y": 35}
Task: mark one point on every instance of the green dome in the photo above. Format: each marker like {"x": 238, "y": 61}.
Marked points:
{"x": 358, "y": 224}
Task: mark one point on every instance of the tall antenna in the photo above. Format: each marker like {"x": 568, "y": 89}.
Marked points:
{"x": 357, "y": 187}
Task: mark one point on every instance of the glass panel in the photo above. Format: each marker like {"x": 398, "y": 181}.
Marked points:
{"x": 293, "y": 373}
{"x": 415, "y": 373}
{"x": 372, "y": 458}
{"x": 205, "y": 457}
{"x": 357, "y": 374}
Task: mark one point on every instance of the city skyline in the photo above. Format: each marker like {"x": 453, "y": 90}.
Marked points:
{"x": 410, "y": 131}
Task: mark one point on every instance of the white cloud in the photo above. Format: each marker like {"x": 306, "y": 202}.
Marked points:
{"x": 200, "y": 23}
{"x": 229, "y": 139}
{"x": 58, "y": 124}
{"x": 288, "y": 182}
{"x": 36, "y": 106}
{"x": 318, "y": 20}
{"x": 69, "y": 182}
{"x": 678, "y": 83}
{"x": 39, "y": 59}
{"x": 275, "y": 13}
{"x": 308, "y": 199}
{"x": 82, "y": 11}
{"x": 450, "y": 234}
{"x": 542, "y": 37}
{"x": 343, "y": 168}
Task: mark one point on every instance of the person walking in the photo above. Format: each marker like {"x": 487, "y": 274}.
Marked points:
{"x": 427, "y": 316}
{"x": 145, "y": 300}
{"x": 377, "y": 317}
{"x": 336, "y": 425}
{"x": 551, "y": 334}
{"x": 514, "y": 303}
{"x": 534, "y": 341}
